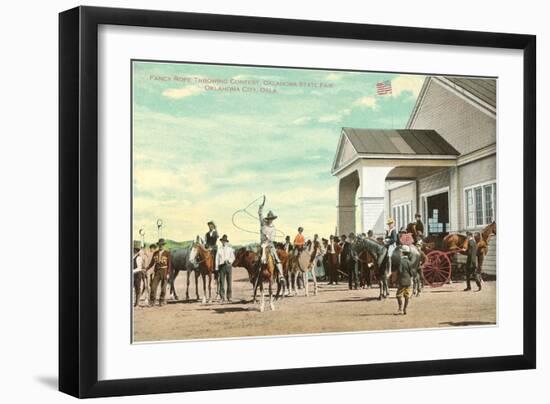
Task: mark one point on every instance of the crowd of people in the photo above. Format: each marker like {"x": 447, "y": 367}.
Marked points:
{"x": 332, "y": 249}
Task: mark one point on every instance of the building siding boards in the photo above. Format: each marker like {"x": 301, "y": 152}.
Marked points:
{"x": 403, "y": 194}
{"x": 461, "y": 124}
{"x": 479, "y": 171}
{"x": 467, "y": 129}
{"x": 434, "y": 182}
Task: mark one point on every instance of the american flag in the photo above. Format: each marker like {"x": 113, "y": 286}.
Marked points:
{"x": 383, "y": 87}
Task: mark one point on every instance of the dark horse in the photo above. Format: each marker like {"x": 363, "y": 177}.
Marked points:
{"x": 181, "y": 262}
{"x": 379, "y": 255}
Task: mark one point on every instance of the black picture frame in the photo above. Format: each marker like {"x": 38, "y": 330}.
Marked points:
{"x": 78, "y": 200}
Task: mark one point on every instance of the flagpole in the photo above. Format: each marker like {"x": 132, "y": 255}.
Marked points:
{"x": 391, "y": 95}
{"x": 391, "y": 102}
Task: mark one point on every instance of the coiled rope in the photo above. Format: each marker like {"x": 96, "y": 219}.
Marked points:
{"x": 246, "y": 212}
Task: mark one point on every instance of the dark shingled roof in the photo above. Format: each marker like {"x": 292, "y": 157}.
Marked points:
{"x": 484, "y": 89}
{"x": 399, "y": 141}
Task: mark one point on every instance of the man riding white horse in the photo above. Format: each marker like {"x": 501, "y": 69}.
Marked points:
{"x": 267, "y": 238}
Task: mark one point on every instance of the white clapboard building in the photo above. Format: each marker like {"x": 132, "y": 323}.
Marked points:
{"x": 442, "y": 165}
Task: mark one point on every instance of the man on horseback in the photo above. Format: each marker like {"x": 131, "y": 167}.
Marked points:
{"x": 391, "y": 241}
{"x": 267, "y": 238}
{"x": 299, "y": 241}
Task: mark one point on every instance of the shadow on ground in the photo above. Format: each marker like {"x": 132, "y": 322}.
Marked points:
{"x": 466, "y": 323}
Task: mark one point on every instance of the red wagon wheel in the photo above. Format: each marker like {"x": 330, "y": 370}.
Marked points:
{"x": 436, "y": 271}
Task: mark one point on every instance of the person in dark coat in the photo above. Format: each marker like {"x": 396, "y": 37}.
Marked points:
{"x": 211, "y": 237}
{"x": 404, "y": 281}
{"x": 419, "y": 225}
{"x": 349, "y": 262}
{"x": 471, "y": 270}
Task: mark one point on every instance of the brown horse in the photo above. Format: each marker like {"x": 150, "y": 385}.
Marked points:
{"x": 203, "y": 258}
{"x": 483, "y": 243}
{"x": 247, "y": 259}
{"x": 302, "y": 264}
{"x": 455, "y": 241}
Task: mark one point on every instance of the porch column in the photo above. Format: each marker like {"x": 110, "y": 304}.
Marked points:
{"x": 372, "y": 197}
{"x": 347, "y": 190}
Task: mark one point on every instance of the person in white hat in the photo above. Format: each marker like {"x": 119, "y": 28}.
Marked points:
{"x": 267, "y": 238}
{"x": 225, "y": 256}
{"x": 391, "y": 240}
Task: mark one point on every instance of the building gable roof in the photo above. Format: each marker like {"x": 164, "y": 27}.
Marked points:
{"x": 479, "y": 92}
{"x": 484, "y": 89}
{"x": 378, "y": 143}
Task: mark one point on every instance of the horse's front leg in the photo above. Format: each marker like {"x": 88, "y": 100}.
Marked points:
{"x": 314, "y": 281}
{"x": 209, "y": 288}
{"x": 187, "y": 285}
{"x": 172, "y": 284}
{"x": 305, "y": 279}
{"x": 271, "y": 305}
{"x": 203, "y": 276}
{"x": 197, "y": 284}
{"x": 262, "y": 297}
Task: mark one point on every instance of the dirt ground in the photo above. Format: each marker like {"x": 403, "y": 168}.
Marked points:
{"x": 334, "y": 309}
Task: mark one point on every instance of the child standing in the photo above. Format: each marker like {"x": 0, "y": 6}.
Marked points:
{"x": 404, "y": 280}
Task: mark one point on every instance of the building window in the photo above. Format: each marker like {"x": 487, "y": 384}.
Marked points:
{"x": 480, "y": 205}
{"x": 402, "y": 214}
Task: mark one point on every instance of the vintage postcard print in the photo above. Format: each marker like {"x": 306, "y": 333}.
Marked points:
{"x": 281, "y": 201}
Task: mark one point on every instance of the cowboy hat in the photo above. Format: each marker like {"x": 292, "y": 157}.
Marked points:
{"x": 224, "y": 238}
{"x": 271, "y": 216}
{"x": 211, "y": 222}
{"x": 390, "y": 221}
{"x": 161, "y": 242}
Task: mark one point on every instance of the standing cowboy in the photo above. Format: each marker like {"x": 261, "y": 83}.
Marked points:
{"x": 224, "y": 260}
{"x": 471, "y": 254}
{"x": 331, "y": 251}
{"x": 161, "y": 262}
{"x": 267, "y": 238}
{"x": 348, "y": 261}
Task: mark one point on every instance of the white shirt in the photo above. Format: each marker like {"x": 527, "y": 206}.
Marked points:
{"x": 225, "y": 255}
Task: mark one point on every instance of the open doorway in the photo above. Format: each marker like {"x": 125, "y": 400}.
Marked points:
{"x": 435, "y": 207}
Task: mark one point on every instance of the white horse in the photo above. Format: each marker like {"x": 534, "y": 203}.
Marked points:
{"x": 301, "y": 265}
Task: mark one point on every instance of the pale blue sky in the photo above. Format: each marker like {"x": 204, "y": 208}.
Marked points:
{"x": 202, "y": 154}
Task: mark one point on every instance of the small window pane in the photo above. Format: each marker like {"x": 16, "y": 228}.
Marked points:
{"x": 469, "y": 208}
{"x": 488, "y": 204}
{"x": 479, "y": 205}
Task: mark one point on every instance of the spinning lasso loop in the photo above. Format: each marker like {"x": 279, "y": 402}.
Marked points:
{"x": 246, "y": 212}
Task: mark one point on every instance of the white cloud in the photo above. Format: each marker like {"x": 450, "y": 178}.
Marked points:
{"x": 367, "y": 101}
{"x": 183, "y": 92}
{"x": 411, "y": 84}
{"x": 302, "y": 120}
{"x": 336, "y": 117}
{"x": 333, "y": 77}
